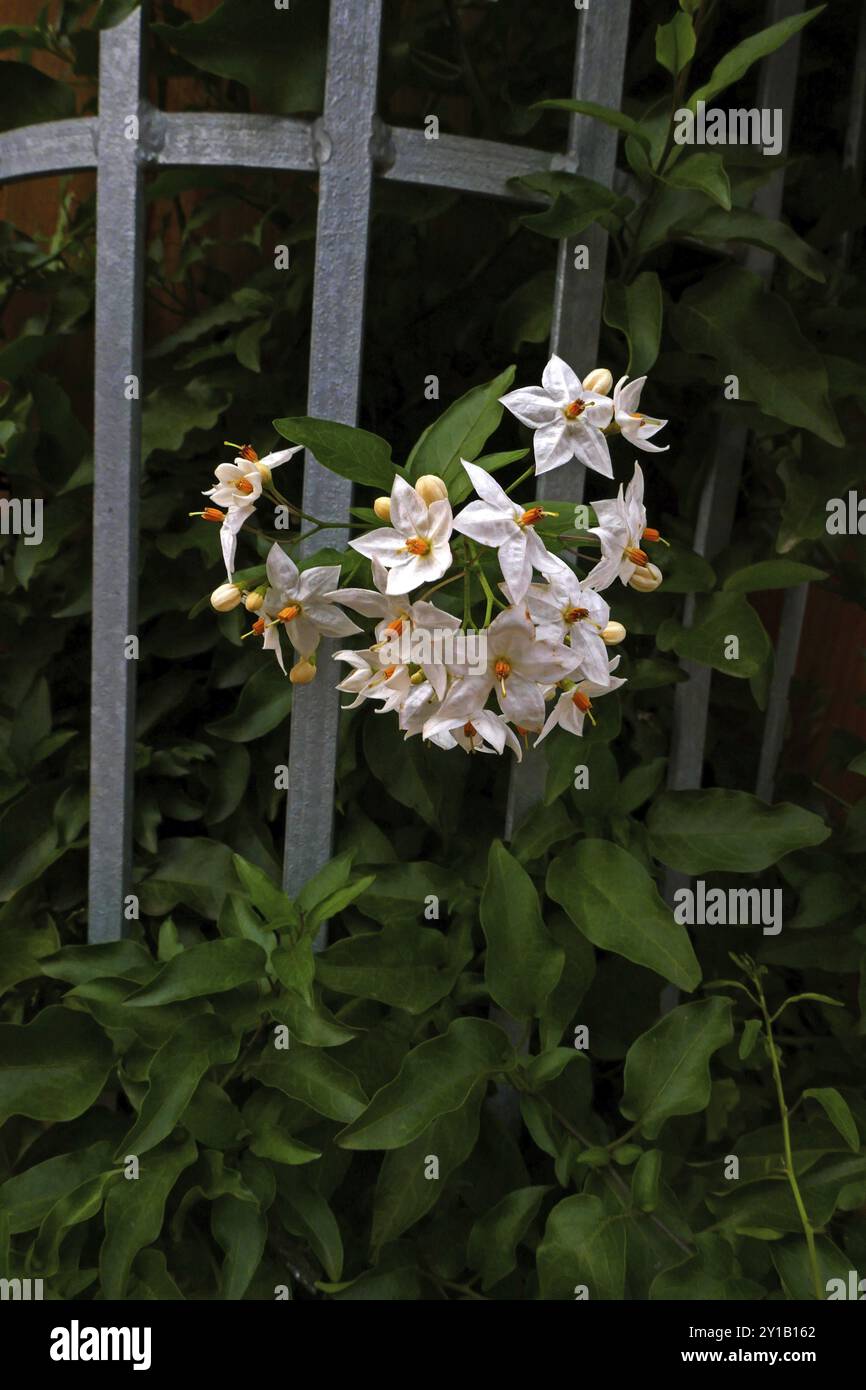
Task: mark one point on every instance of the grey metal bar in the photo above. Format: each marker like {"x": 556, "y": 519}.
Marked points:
{"x": 461, "y": 162}
{"x": 787, "y": 647}
{"x": 119, "y": 277}
{"x": 719, "y": 497}
{"x": 598, "y": 76}
{"x": 52, "y": 147}
{"x": 240, "y": 141}
{"x": 795, "y": 601}
{"x": 344, "y": 146}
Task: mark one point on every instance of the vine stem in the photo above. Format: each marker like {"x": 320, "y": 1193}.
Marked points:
{"x": 784, "y": 1114}
{"x": 522, "y": 479}
{"x": 613, "y": 1180}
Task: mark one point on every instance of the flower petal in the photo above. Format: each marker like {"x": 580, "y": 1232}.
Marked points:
{"x": 560, "y": 382}
{"x": 531, "y": 405}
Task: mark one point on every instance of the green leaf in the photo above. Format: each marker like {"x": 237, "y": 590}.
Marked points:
{"x": 582, "y": 1245}
{"x": 675, "y": 43}
{"x": 119, "y": 960}
{"x": 613, "y": 901}
{"x": 636, "y": 311}
{"x": 608, "y": 115}
{"x": 264, "y": 703}
{"x": 720, "y": 617}
{"x": 730, "y": 831}
{"x": 53, "y": 1068}
{"x": 170, "y": 413}
{"x": 195, "y": 871}
{"x": 493, "y": 1240}
{"x": 404, "y": 1191}
{"x": 838, "y": 1112}
{"x": 706, "y": 172}
{"x": 751, "y": 1032}
{"x": 717, "y": 228}
{"x": 209, "y": 968}
{"x": 736, "y": 64}
{"x": 575, "y": 202}
{"x": 667, "y": 1070}
{"x": 750, "y": 332}
{"x": 772, "y": 574}
{"x": 523, "y": 964}
{"x": 27, "y": 1197}
{"x": 71, "y": 1210}
{"x": 173, "y": 1078}
{"x": 435, "y": 1078}
{"x": 460, "y": 432}
{"x": 304, "y": 1212}
{"x": 28, "y": 96}
{"x": 240, "y": 1229}
{"x": 134, "y": 1211}
{"x": 344, "y": 449}
{"x": 645, "y": 1180}
{"x": 310, "y": 1075}
{"x": 407, "y": 967}
{"x": 277, "y": 54}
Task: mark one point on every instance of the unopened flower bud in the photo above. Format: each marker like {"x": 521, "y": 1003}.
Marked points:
{"x": 600, "y": 380}
{"x": 431, "y": 488}
{"x": 646, "y": 579}
{"x": 613, "y": 634}
{"x": 225, "y": 598}
{"x": 254, "y": 601}
{"x": 302, "y": 673}
{"x": 382, "y": 508}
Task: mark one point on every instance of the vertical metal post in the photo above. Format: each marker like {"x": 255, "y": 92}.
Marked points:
{"x": 599, "y": 65}
{"x": 718, "y": 503}
{"x": 117, "y": 441}
{"x": 344, "y": 144}
{"x": 795, "y": 601}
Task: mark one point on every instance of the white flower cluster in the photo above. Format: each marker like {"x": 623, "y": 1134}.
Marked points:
{"x": 544, "y": 659}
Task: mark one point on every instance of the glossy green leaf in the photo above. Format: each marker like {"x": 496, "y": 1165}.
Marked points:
{"x": 408, "y": 1186}
{"x": 53, "y": 1068}
{"x": 493, "y": 1240}
{"x": 730, "y": 831}
{"x": 314, "y": 1077}
{"x": 436, "y": 1077}
{"x": 613, "y": 901}
{"x": 838, "y": 1112}
{"x": 582, "y": 1246}
{"x": 667, "y": 1070}
{"x": 636, "y": 310}
{"x": 210, "y": 968}
{"x": 460, "y": 432}
{"x": 523, "y": 963}
{"x": 675, "y": 43}
{"x": 134, "y": 1211}
{"x": 346, "y": 450}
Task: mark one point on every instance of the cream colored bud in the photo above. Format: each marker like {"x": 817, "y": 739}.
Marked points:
{"x": 600, "y": 380}
{"x": 613, "y": 634}
{"x": 382, "y": 508}
{"x": 254, "y": 601}
{"x": 431, "y": 488}
{"x": 225, "y": 598}
{"x": 645, "y": 579}
{"x": 302, "y": 673}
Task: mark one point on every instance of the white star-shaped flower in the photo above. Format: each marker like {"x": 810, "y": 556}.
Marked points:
{"x": 568, "y": 419}
{"x": 635, "y": 427}
{"x": 302, "y": 604}
{"x": 497, "y": 521}
{"x": 414, "y": 549}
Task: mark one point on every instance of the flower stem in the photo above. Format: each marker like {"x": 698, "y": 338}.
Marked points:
{"x": 784, "y": 1115}
{"x": 522, "y": 479}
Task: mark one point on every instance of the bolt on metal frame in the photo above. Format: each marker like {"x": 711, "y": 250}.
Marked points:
{"x": 349, "y": 146}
